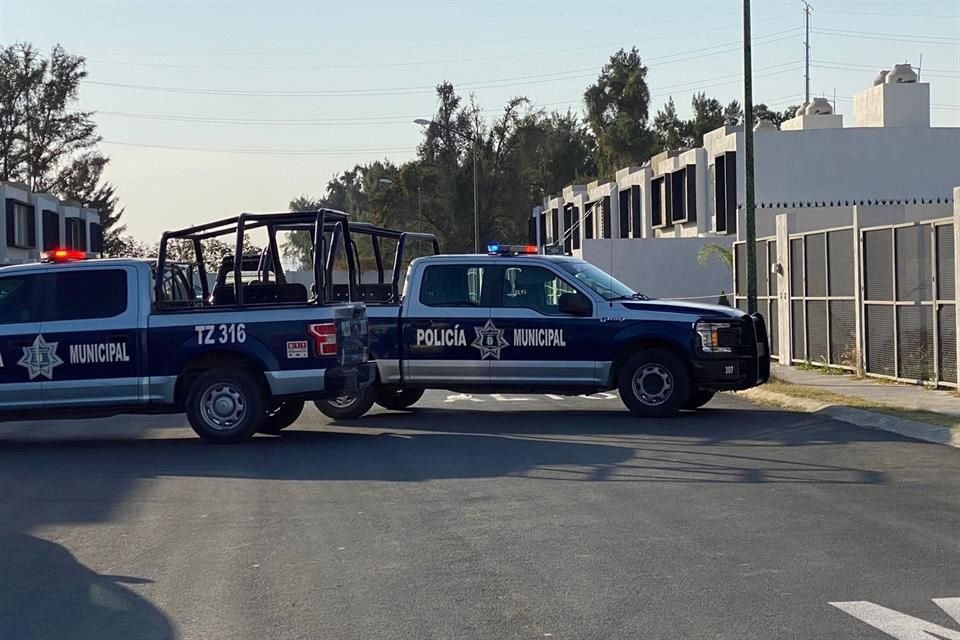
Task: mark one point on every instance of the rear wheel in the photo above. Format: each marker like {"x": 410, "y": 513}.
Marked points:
{"x": 348, "y": 405}
{"x": 699, "y": 398}
{"x": 398, "y": 399}
{"x": 654, "y": 383}
{"x": 226, "y": 405}
{"x": 282, "y": 415}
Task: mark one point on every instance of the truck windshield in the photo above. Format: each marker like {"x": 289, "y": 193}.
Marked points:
{"x": 598, "y": 280}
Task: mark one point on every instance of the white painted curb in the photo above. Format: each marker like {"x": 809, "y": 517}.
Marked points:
{"x": 860, "y": 417}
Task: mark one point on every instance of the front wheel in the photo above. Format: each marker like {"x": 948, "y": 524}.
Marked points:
{"x": 654, "y": 383}
{"x": 699, "y": 398}
{"x": 281, "y": 416}
{"x": 348, "y": 405}
{"x": 398, "y": 399}
{"x": 226, "y": 405}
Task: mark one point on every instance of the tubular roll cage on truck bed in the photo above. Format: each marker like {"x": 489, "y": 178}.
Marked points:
{"x": 313, "y": 221}
{"x": 364, "y": 294}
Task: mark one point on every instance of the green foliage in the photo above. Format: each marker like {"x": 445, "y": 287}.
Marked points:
{"x": 45, "y": 142}
{"x": 617, "y": 107}
{"x": 723, "y": 253}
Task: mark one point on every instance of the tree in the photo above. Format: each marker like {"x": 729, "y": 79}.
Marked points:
{"x": 617, "y": 108}
{"x": 45, "y": 141}
{"x": 733, "y": 113}
{"x": 723, "y": 253}
{"x": 40, "y": 130}
{"x": 669, "y": 128}
{"x": 708, "y": 114}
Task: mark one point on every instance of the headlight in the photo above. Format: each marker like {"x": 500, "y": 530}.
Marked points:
{"x": 716, "y": 337}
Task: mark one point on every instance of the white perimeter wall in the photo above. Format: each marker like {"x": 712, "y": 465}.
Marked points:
{"x": 663, "y": 268}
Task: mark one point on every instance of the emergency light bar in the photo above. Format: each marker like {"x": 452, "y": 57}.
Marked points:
{"x": 63, "y": 255}
{"x": 511, "y": 249}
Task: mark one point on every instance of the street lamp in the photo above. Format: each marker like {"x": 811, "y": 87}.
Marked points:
{"x": 476, "y": 208}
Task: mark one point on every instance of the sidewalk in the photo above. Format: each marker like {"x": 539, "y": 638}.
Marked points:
{"x": 897, "y": 395}
{"x": 912, "y": 411}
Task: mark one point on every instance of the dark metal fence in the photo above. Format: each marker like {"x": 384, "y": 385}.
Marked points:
{"x": 904, "y": 313}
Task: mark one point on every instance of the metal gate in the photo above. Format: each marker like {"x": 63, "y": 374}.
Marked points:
{"x": 766, "y": 285}
{"x": 909, "y": 302}
{"x": 822, "y": 302}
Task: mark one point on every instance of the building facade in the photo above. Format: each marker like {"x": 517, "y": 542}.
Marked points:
{"x": 38, "y": 222}
{"x": 891, "y": 154}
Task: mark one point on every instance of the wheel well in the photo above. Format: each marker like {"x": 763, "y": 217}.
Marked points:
{"x": 649, "y": 343}
{"x": 215, "y": 360}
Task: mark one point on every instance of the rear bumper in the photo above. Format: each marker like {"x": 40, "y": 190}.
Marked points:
{"x": 349, "y": 380}
{"x": 321, "y": 383}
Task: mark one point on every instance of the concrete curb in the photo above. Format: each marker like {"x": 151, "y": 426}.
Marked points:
{"x": 859, "y": 417}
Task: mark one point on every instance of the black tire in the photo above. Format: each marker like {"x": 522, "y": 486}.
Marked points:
{"x": 398, "y": 399}
{"x": 281, "y": 416}
{"x": 226, "y": 405}
{"x": 698, "y": 398}
{"x": 663, "y": 379}
{"x": 347, "y": 406}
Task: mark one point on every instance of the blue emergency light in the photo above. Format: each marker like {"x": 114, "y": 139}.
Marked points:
{"x": 511, "y": 249}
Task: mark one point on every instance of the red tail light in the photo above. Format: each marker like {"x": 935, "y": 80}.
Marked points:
{"x": 324, "y": 338}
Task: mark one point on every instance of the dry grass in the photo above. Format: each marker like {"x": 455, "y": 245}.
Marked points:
{"x": 812, "y": 393}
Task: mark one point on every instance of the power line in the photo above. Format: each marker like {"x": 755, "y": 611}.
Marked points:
{"x": 869, "y": 36}
{"x": 486, "y": 84}
{"x": 458, "y": 44}
{"x": 272, "y": 152}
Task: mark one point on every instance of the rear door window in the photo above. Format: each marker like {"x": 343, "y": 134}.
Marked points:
{"x": 452, "y": 285}
{"x": 86, "y": 294}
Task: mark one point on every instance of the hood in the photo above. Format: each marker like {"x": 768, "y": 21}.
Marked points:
{"x": 681, "y": 307}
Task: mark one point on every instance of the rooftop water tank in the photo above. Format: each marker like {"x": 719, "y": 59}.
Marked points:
{"x": 764, "y": 124}
{"x": 819, "y": 107}
{"x": 881, "y": 77}
{"x": 901, "y": 73}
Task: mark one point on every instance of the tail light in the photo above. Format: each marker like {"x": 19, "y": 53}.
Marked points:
{"x": 324, "y": 338}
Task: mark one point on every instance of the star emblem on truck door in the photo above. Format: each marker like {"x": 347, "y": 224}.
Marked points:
{"x": 40, "y": 359}
{"x": 489, "y": 341}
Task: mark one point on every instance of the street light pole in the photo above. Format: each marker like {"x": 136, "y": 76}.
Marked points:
{"x": 750, "y": 195}
{"x": 476, "y": 206}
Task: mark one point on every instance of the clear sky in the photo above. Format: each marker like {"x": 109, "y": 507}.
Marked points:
{"x": 212, "y": 108}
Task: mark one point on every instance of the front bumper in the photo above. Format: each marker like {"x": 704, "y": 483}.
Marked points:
{"x": 747, "y": 367}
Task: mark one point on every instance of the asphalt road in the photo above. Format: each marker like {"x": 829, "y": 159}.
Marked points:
{"x": 492, "y": 519}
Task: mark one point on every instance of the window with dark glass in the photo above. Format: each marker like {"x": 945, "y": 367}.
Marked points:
{"x": 85, "y": 294}
{"x": 656, "y": 202}
{"x": 21, "y": 225}
{"x": 452, "y": 285}
{"x": 677, "y": 200}
{"x": 533, "y": 288}
{"x": 636, "y": 211}
{"x": 691, "y": 192}
{"x": 51, "y": 230}
{"x": 16, "y": 299}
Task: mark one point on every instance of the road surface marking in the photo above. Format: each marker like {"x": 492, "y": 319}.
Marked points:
{"x": 900, "y": 625}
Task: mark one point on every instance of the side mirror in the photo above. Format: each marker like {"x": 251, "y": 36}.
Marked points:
{"x": 575, "y": 304}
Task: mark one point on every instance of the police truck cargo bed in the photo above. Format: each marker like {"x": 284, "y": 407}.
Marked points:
{"x": 517, "y": 321}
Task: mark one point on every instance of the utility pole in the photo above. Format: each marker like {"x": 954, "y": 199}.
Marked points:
{"x": 806, "y": 46}
{"x": 748, "y": 162}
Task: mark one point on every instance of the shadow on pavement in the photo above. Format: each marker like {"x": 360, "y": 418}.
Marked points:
{"x": 45, "y": 594}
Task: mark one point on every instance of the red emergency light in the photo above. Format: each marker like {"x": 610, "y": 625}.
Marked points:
{"x": 63, "y": 255}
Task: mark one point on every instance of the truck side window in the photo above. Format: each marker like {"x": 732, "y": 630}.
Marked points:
{"x": 533, "y": 288}
{"x": 85, "y": 294}
{"x": 452, "y": 285}
{"x": 16, "y": 299}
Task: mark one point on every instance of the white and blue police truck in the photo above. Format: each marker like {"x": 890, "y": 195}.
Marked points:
{"x": 516, "y": 321}
{"x": 91, "y": 337}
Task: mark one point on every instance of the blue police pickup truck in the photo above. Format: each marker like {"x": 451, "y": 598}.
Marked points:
{"x": 516, "y": 321}
{"x": 85, "y": 337}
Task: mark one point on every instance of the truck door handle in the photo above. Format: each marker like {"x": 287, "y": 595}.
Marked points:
{"x": 117, "y": 337}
